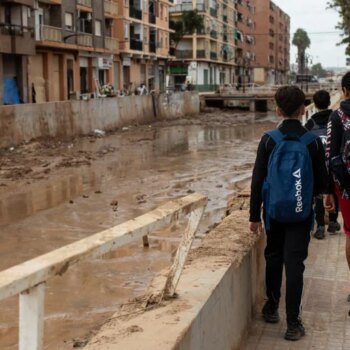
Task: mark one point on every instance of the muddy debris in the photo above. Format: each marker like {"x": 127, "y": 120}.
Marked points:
{"x": 85, "y": 196}
{"x": 98, "y": 192}
{"x": 190, "y": 191}
{"x": 134, "y": 329}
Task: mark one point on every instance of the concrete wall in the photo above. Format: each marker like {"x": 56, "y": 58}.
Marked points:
{"x": 20, "y": 123}
{"x": 218, "y": 293}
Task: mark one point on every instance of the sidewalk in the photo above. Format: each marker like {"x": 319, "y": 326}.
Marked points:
{"x": 327, "y": 284}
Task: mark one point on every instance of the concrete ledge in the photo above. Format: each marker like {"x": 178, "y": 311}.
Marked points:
{"x": 19, "y": 123}
{"x": 218, "y": 291}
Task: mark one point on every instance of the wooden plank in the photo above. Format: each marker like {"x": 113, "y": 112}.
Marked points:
{"x": 182, "y": 252}
{"x": 33, "y": 272}
{"x": 31, "y": 318}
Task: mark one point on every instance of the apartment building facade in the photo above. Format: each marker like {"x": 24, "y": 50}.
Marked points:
{"x": 143, "y": 31}
{"x": 206, "y": 58}
{"x": 16, "y": 45}
{"x": 245, "y": 40}
{"x": 75, "y": 49}
{"x": 272, "y": 44}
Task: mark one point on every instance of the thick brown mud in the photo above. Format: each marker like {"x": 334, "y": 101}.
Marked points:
{"x": 53, "y": 193}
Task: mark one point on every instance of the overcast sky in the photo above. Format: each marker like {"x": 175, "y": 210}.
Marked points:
{"x": 313, "y": 16}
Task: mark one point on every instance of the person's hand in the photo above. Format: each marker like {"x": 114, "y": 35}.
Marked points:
{"x": 329, "y": 203}
{"x": 255, "y": 227}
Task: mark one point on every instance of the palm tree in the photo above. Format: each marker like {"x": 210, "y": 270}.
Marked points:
{"x": 302, "y": 41}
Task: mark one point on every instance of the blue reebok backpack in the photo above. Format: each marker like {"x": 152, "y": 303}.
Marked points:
{"x": 288, "y": 187}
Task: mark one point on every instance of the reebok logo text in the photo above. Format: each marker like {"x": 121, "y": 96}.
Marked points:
{"x": 298, "y": 189}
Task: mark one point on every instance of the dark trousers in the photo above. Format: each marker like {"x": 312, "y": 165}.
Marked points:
{"x": 287, "y": 244}
{"x": 320, "y": 211}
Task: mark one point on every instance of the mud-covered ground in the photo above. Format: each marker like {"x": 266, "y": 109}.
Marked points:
{"x": 54, "y": 192}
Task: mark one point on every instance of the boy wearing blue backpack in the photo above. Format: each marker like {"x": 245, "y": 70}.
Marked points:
{"x": 283, "y": 180}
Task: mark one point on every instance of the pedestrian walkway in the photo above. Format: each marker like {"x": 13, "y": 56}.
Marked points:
{"x": 325, "y": 306}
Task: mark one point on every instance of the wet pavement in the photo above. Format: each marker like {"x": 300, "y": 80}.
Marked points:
{"x": 146, "y": 167}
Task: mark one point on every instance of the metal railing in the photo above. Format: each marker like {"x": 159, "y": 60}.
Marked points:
{"x": 186, "y": 7}
{"x": 50, "y": 33}
{"x": 111, "y": 43}
{"x": 184, "y": 53}
{"x": 14, "y": 29}
{"x": 111, "y": 7}
{"x": 29, "y": 278}
{"x": 86, "y": 3}
{"x": 85, "y": 39}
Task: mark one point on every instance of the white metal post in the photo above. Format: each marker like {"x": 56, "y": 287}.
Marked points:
{"x": 31, "y": 318}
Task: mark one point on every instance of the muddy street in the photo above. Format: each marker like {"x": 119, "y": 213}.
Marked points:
{"x": 53, "y": 193}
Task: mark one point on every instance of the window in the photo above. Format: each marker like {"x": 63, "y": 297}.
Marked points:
{"x": 98, "y": 28}
{"x": 69, "y": 21}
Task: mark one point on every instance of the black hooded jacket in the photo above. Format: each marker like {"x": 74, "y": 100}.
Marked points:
{"x": 335, "y": 133}
{"x": 320, "y": 118}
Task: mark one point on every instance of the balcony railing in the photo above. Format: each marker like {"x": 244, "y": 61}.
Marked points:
{"x": 152, "y": 18}
{"x": 111, "y": 44}
{"x": 85, "y": 39}
{"x": 50, "y": 33}
{"x": 111, "y": 7}
{"x": 136, "y": 45}
{"x": 135, "y": 13}
{"x": 13, "y": 29}
{"x": 184, "y": 53}
{"x": 152, "y": 47}
{"x": 213, "y": 56}
{"x": 86, "y": 3}
{"x": 186, "y": 7}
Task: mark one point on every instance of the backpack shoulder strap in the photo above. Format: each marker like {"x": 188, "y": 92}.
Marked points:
{"x": 276, "y": 135}
{"x": 308, "y": 138}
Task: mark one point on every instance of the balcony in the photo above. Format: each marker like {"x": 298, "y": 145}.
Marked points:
{"x": 136, "y": 44}
{"x": 201, "y": 54}
{"x": 50, "y": 33}
{"x": 111, "y": 44}
{"x": 29, "y": 3}
{"x": 186, "y": 7}
{"x": 152, "y": 46}
{"x": 214, "y": 34}
{"x": 135, "y": 13}
{"x": 111, "y": 8}
{"x": 213, "y": 12}
{"x": 184, "y": 54}
{"x": 152, "y": 18}
{"x": 85, "y": 39}
{"x": 224, "y": 18}
{"x": 86, "y": 3}
{"x": 213, "y": 56}
{"x": 17, "y": 39}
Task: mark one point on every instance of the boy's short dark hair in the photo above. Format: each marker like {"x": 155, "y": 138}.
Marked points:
{"x": 322, "y": 99}
{"x": 345, "y": 82}
{"x": 290, "y": 99}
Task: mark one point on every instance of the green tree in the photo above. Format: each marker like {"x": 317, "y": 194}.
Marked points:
{"x": 187, "y": 24}
{"x": 318, "y": 70}
{"x": 343, "y": 7}
{"x": 302, "y": 41}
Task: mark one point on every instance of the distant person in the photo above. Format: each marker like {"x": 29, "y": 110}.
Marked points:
{"x": 142, "y": 90}
{"x": 338, "y": 161}
{"x": 318, "y": 125}
{"x": 189, "y": 86}
{"x": 286, "y": 189}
